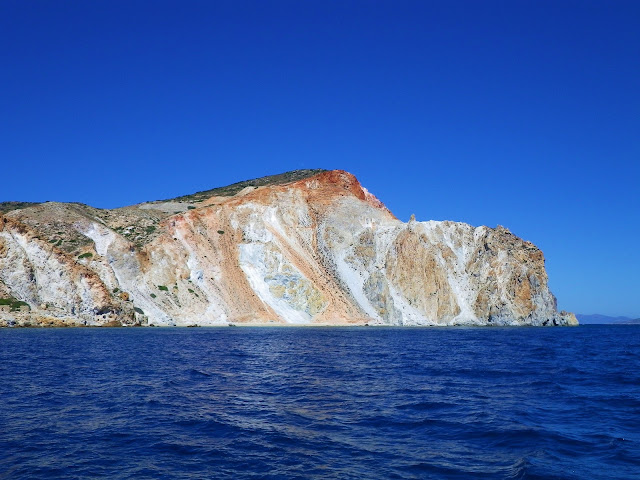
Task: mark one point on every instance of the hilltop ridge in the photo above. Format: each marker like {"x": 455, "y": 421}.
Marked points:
{"x": 234, "y": 188}
{"x": 136, "y": 222}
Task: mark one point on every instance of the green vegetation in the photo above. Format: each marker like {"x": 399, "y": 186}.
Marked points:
{"x": 86, "y": 255}
{"x": 221, "y": 232}
{"x": 138, "y": 234}
{"x": 59, "y": 243}
{"x": 163, "y": 288}
{"x": 153, "y": 295}
{"x": 14, "y": 303}
{"x": 190, "y": 291}
{"x": 138, "y": 310}
{"x": 231, "y": 190}
{"x": 116, "y": 290}
{"x": 191, "y": 207}
{"x": 8, "y": 206}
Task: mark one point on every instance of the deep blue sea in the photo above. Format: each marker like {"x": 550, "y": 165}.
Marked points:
{"x": 311, "y": 403}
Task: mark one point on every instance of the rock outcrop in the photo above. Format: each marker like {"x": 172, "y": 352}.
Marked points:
{"x": 308, "y": 247}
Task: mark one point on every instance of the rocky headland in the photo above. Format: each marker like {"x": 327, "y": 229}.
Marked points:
{"x": 309, "y": 247}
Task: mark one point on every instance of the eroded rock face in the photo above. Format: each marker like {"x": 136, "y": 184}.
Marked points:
{"x": 318, "y": 250}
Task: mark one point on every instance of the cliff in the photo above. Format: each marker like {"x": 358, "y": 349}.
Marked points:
{"x": 306, "y": 247}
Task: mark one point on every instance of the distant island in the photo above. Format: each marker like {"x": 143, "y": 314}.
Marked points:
{"x": 308, "y": 247}
{"x": 606, "y": 320}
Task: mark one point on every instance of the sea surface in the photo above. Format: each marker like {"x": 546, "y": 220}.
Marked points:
{"x": 312, "y": 403}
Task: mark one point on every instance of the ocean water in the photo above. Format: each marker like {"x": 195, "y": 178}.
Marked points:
{"x": 311, "y": 403}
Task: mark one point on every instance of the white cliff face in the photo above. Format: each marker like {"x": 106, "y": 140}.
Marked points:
{"x": 34, "y": 272}
{"x": 321, "y": 250}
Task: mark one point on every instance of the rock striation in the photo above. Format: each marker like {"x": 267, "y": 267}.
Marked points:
{"x": 306, "y": 247}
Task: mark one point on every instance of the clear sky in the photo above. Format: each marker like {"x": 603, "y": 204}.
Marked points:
{"x": 519, "y": 113}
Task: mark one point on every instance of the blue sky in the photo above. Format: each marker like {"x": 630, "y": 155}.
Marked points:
{"x": 519, "y": 113}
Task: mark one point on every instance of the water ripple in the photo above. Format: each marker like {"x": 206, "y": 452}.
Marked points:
{"x": 320, "y": 403}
